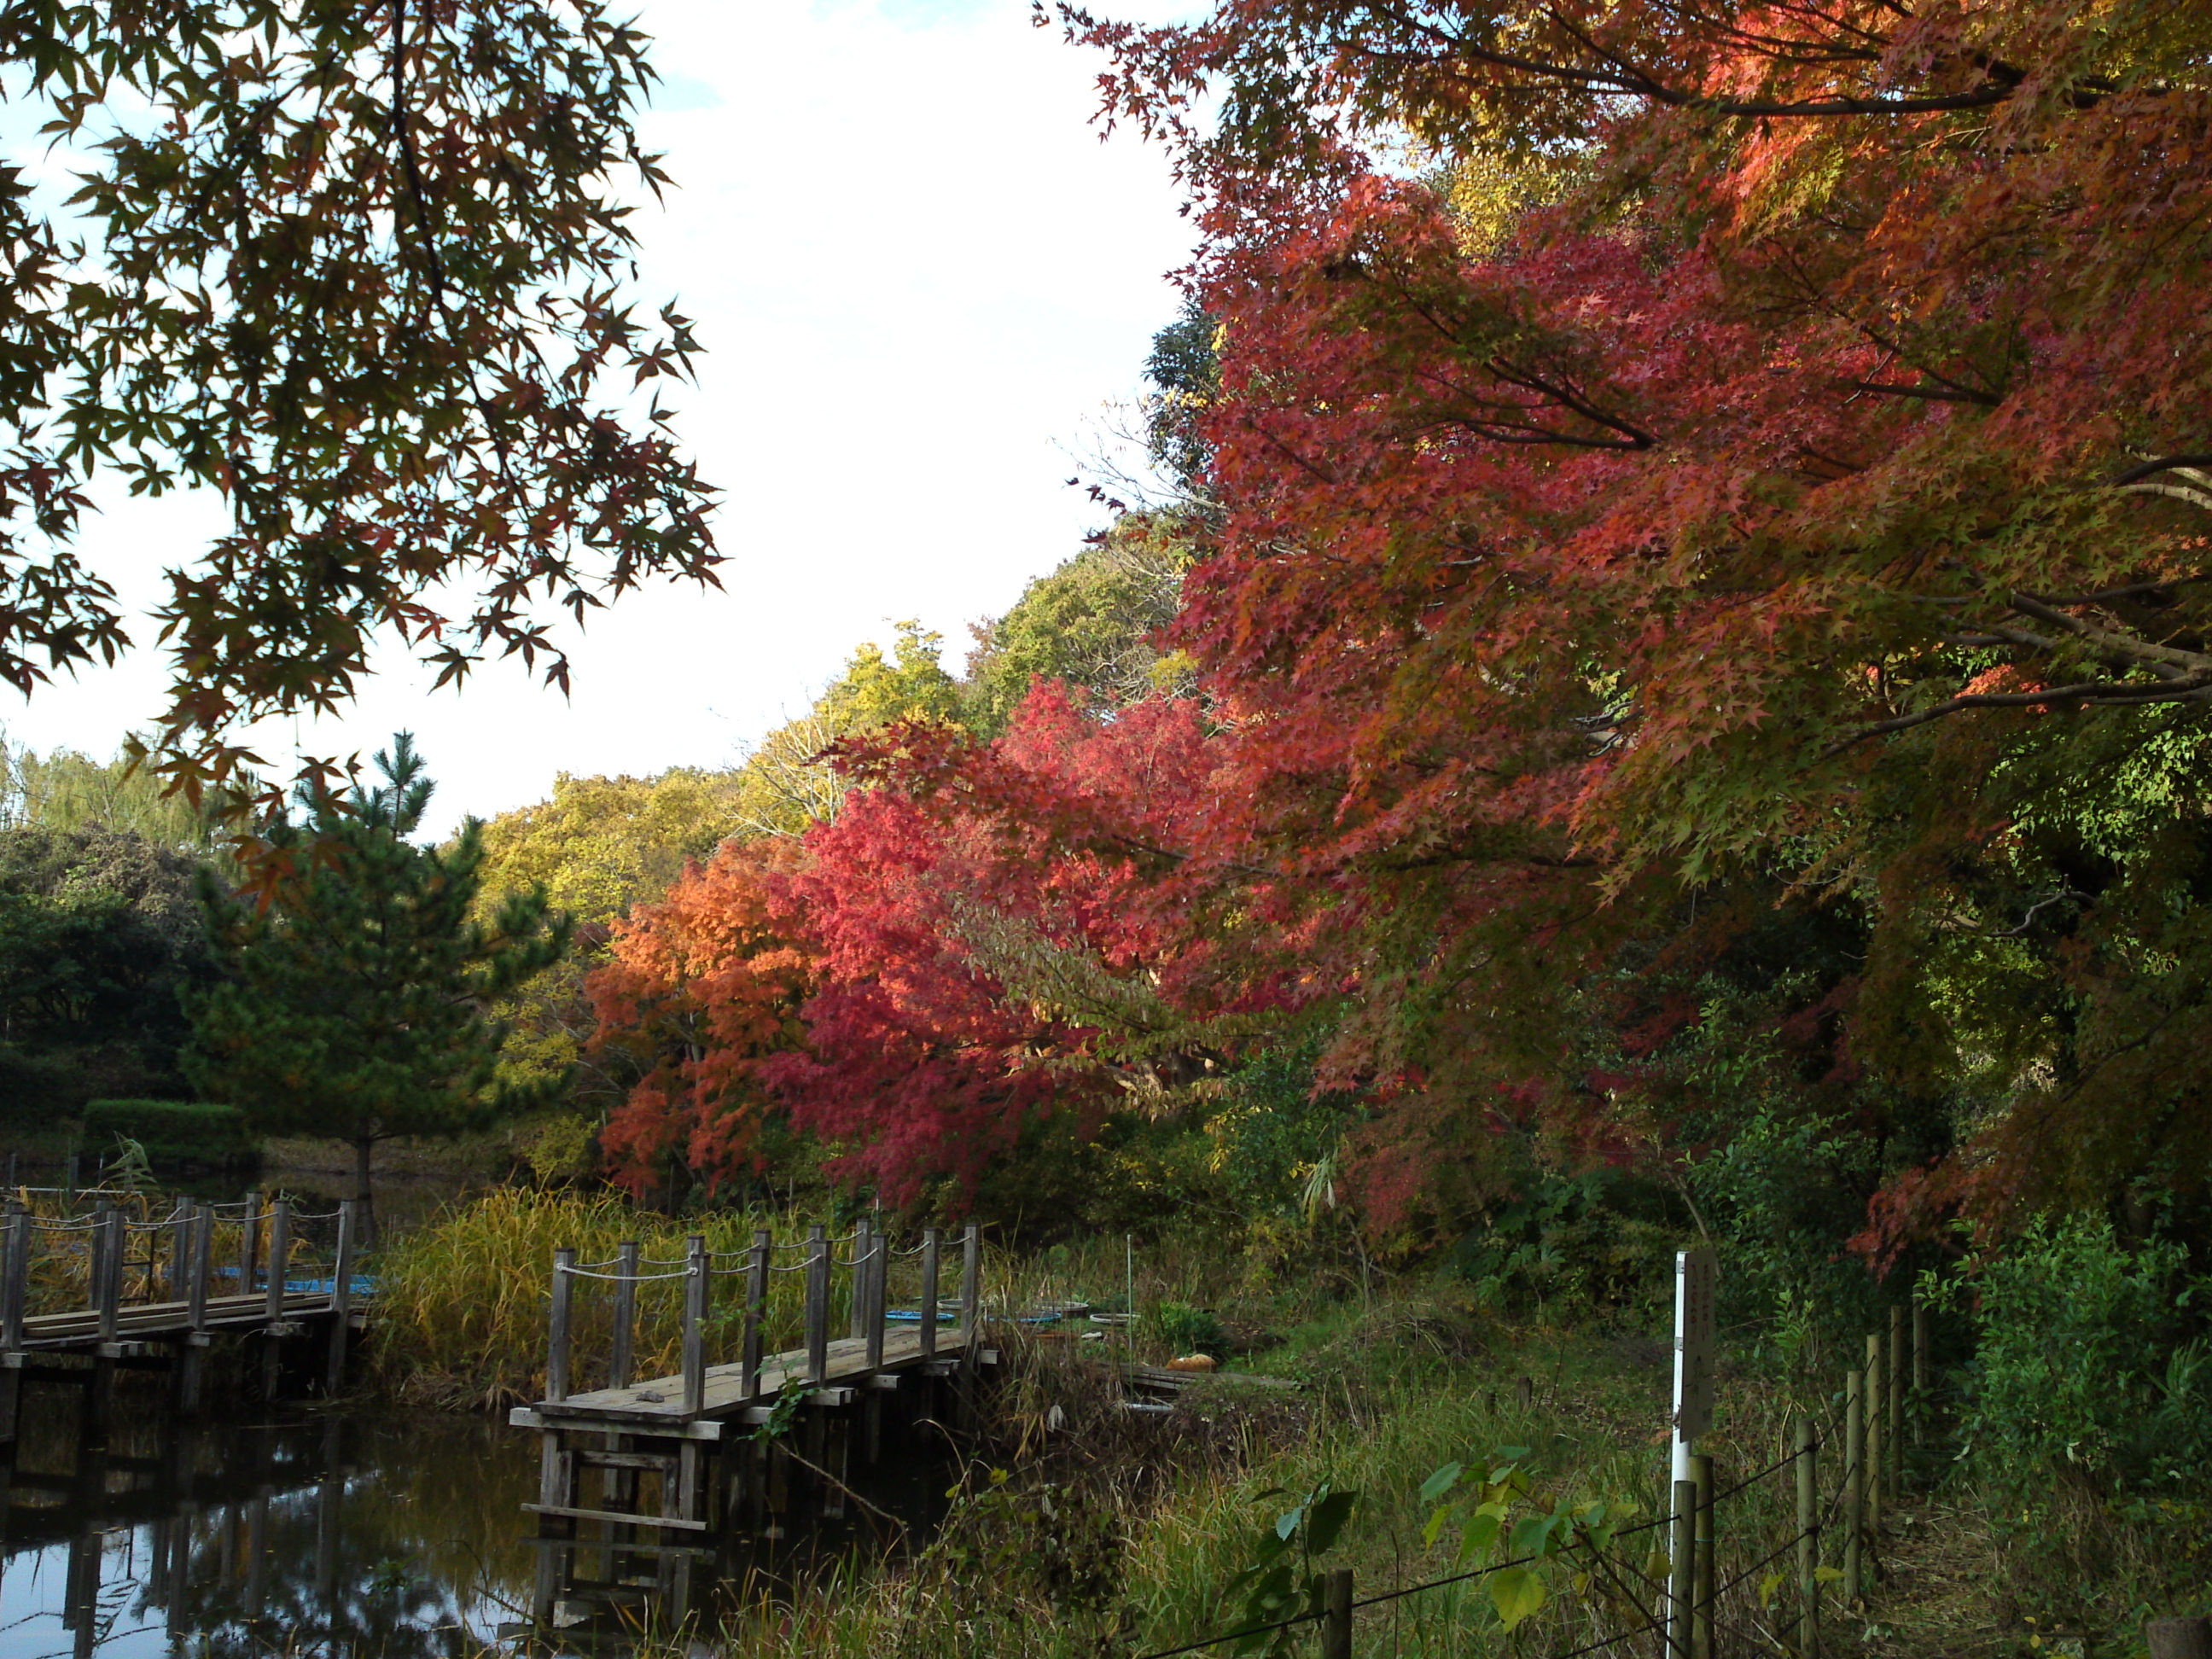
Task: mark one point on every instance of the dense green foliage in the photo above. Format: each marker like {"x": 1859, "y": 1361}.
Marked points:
{"x": 353, "y": 1006}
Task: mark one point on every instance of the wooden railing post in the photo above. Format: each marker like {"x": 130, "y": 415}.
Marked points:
{"x": 341, "y": 1299}
{"x": 1336, "y": 1613}
{"x": 180, "y": 1249}
{"x": 971, "y": 1284}
{"x": 932, "y": 1242}
{"x": 1920, "y": 1399}
{"x": 1854, "y": 1483}
{"x": 623, "y": 1358}
{"x": 108, "y": 1270}
{"x": 817, "y": 1305}
{"x": 557, "y": 1355}
{"x": 249, "y": 1242}
{"x": 749, "y": 1358}
{"x": 196, "y": 1290}
{"x": 859, "y": 1321}
{"x": 696, "y": 1286}
{"x": 878, "y": 1284}
{"x": 280, "y": 1258}
{"x": 1809, "y": 1539}
{"x": 15, "y": 1290}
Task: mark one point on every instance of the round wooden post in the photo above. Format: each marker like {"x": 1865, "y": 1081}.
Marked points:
{"x": 1701, "y": 1588}
{"x": 1681, "y": 1569}
{"x": 1894, "y": 1441}
{"x": 971, "y": 1284}
{"x": 107, "y": 1271}
{"x": 756, "y": 1267}
{"x": 623, "y": 1358}
{"x": 863, "y": 1260}
{"x": 932, "y": 1241}
{"x": 341, "y": 1299}
{"x": 557, "y": 1352}
{"x": 1854, "y": 1484}
{"x": 1809, "y": 1539}
{"x": 1873, "y": 1459}
{"x": 878, "y": 1282}
{"x": 2179, "y": 1638}
{"x": 279, "y": 1258}
{"x": 249, "y": 1243}
{"x": 180, "y": 1249}
{"x": 817, "y": 1305}
{"x": 1336, "y": 1613}
{"x": 1920, "y": 1400}
{"x": 695, "y": 1284}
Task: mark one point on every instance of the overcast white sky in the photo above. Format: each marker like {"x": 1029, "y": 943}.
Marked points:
{"x": 918, "y": 273}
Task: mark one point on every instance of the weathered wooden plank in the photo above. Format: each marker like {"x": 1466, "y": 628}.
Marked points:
{"x": 725, "y": 1386}
{"x": 620, "y": 1517}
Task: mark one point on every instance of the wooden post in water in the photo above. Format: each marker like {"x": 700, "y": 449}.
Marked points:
{"x": 1895, "y": 1442}
{"x": 861, "y": 1233}
{"x": 624, "y": 1358}
{"x": 696, "y": 1286}
{"x": 341, "y": 1299}
{"x": 1874, "y": 1437}
{"x": 817, "y": 1305}
{"x": 1854, "y": 1484}
{"x": 1809, "y": 1539}
{"x": 191, "y": 1360}
{"x": 748, "y": 1357}
{"x": 557, "y": 1352}
{"x": 932, "y": 1242}
{"x": 272, "y": 1306}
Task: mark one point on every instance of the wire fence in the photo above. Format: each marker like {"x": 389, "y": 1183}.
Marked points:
{"x": 1743, "y": 1567}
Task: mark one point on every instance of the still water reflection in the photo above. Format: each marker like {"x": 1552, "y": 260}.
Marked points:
{"x": 307, "y": 1532}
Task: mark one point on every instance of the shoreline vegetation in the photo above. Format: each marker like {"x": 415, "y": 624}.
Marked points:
{"x": 1080, "y": 1527}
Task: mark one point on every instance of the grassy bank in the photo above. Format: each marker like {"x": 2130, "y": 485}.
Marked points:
{"x": 1084, "y": 1528}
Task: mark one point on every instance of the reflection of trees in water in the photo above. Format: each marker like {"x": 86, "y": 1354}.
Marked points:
{"x": 399, "y": 1537}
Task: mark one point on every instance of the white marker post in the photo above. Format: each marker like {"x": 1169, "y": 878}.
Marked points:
{"x": 1694, "y": 1416}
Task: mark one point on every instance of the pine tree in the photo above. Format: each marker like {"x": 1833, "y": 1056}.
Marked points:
{"x": 353, "y": 1004}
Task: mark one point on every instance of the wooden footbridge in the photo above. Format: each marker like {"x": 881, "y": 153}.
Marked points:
{"x": 713, "y": 1438}
{"x": 115, "y": 1288}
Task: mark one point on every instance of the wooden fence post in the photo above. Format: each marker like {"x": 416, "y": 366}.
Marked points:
{"x": 695, "y": 1283}
{"x": 556, "y": 1350}
{"x": 757, "y": 1265}
{"x": 625, "y": 1343}
{"x": 196, "y": 1286}
{"x": 1895, "y": 1441}
{"x": 341, "y": 1299}
{"x": 817, "y": 1305}
{"x": 1809, "y": 1539}
{"x": 1701, "y": 1588}
{"x": 1854, "y": 1484}
{"x": 932, "y": 1242}
{"x": 1336, "y": 1613}
{"x": 2179, "y": 1638}
{"x": 180, "y": 1249}
{"x": 1873, "y": 1443}
{"x": 1920, "y": 1403}
{"x": 1681, "y": 1568}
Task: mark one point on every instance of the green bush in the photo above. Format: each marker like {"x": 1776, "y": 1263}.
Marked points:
{"x": 1187, "y": 1329}
{"x": 2092, "y": 1358}
{"x": 172, "y": 1131}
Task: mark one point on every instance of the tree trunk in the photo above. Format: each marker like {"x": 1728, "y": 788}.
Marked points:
{"x": 361, "y": 1192}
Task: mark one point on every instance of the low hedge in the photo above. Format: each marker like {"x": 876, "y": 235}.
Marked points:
{"x": 172, "y": 1131}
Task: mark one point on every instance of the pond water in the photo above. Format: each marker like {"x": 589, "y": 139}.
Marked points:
{"x": 306, "y": 1531}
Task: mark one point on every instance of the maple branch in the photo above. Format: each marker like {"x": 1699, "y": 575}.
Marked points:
{"x": 1944, "y": 394}
{"x": 2191, "y": 687}
{"x": 2141, "y": 651}
{"x": 2164, "y": 464}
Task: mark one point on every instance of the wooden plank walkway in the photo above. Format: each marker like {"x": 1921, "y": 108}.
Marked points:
{"x": 146, "y": 1322}
{"x": 659, "y": 1403}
